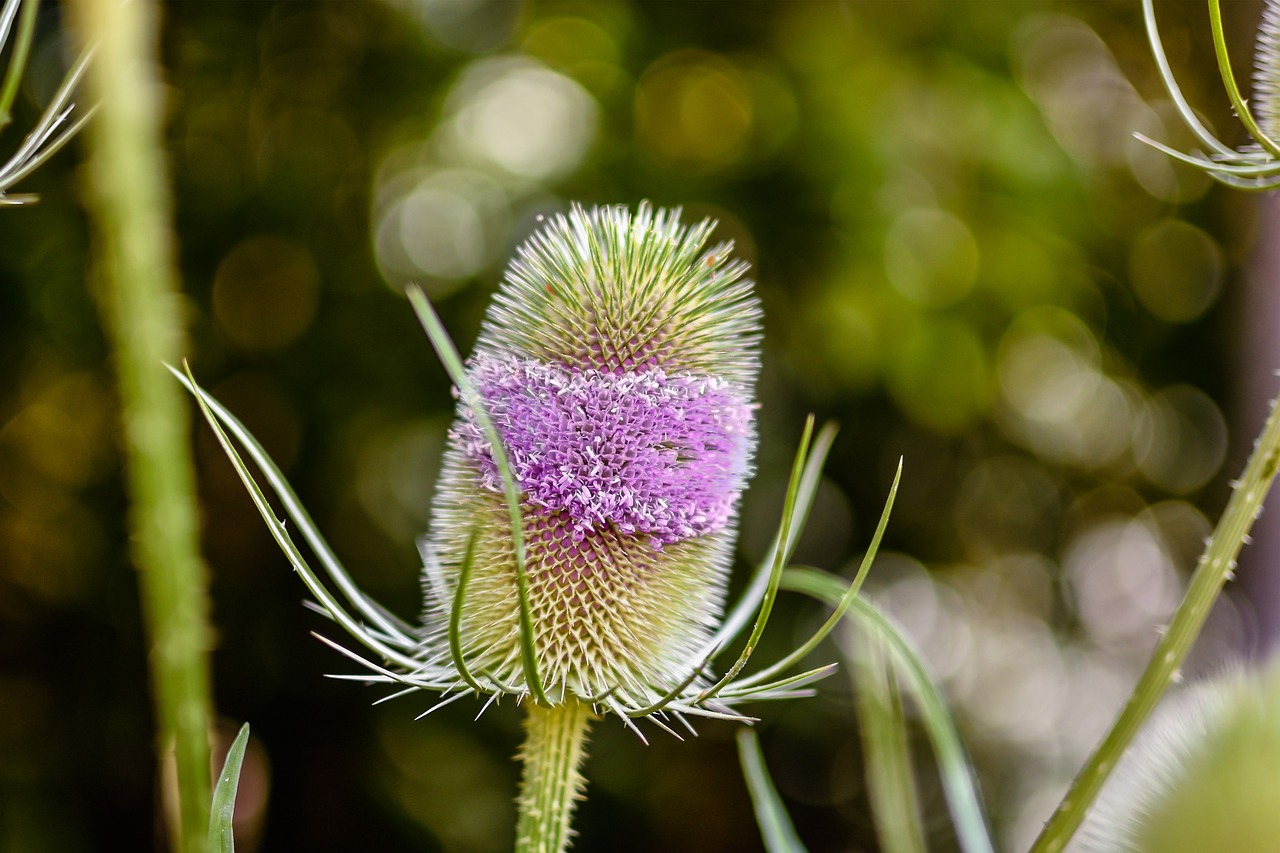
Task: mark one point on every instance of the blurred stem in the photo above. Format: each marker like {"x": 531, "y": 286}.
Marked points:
{"x": 128, "y": 200}
{"x": 1216, "y": 567}
{"x": 552, "y": 784}
{"x": 891, "y": 783}
{"x": 17, "y": 60}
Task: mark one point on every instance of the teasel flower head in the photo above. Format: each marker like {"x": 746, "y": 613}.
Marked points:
{"x": 584, "y": 520}
{"x": 1266, "y": 71}
{"x": 1201, "y": 775}
{"x": 617, "y": 364}
{"x": 1255, "y": 166}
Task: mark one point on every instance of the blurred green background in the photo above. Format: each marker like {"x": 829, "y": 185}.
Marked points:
{"x": 964, "y": 258}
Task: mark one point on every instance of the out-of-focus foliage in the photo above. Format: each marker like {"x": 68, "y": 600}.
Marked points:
{"x": 964, "y": 257}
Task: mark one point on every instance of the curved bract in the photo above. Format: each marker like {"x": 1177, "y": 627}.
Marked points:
{"x": 55, "y": 127}
{"x": 1254, "y": 167}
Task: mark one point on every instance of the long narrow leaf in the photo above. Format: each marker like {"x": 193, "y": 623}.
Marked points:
{"x": 455, "y": 618}
{"x": 958, "y": 782}
{"x": 1238, "y": 102}
{"x": 776, "y": 830}
{"x": 390, "y": 625}
{"x": 1171, "y": 85}
{"x": 221, "y": 837}
{"x": 21, "y": 51}
{"x": 278, "y": 532}
{"x": 1237, "y": 167}
{"x": 891, "y": 784}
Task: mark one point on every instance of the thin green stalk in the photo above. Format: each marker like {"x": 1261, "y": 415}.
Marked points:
{"x": 552, "y": 783}
{"x": 776, "y": 829}
{"x": 128, "y": 201}
{"x": 1216, "y": 567}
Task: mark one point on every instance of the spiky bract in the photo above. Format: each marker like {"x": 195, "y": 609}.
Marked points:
{"x": 617, "y": 364}
{"x": 1256, "y": 165}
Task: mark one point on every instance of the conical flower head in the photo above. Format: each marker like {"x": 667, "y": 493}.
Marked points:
{"x": 617, "y": 365}
{"x": 1266, "y": 70}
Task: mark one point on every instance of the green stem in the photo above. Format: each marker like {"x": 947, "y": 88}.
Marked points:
{"x": 554, "y": 747}
{"x": 128, "y": 201}
{"x": 1216, "y": 567}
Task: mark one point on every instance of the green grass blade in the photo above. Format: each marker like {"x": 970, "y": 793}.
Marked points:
{"x": 776, "y": 830}
{"x": 958, "y": 783}
{"x": 221, "y": 837}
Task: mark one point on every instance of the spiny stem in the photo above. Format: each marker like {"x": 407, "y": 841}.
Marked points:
{"x": 128, "y": 201}
{"x": 1216, "y": 567}
{"x": 552, "y": 784}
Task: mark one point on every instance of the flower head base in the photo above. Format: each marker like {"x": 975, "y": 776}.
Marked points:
{"x": 584, "y": 520}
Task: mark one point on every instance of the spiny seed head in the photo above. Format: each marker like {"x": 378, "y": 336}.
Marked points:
{"x": 1266, "y": 71}
{"x": 617, "y": 365}
{"x": 1200, "y": 776}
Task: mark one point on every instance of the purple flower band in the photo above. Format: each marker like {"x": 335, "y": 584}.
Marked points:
{"x": 649, "y": 453}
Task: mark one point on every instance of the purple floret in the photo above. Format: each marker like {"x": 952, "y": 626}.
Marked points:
{"x": 649, "y": 453}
